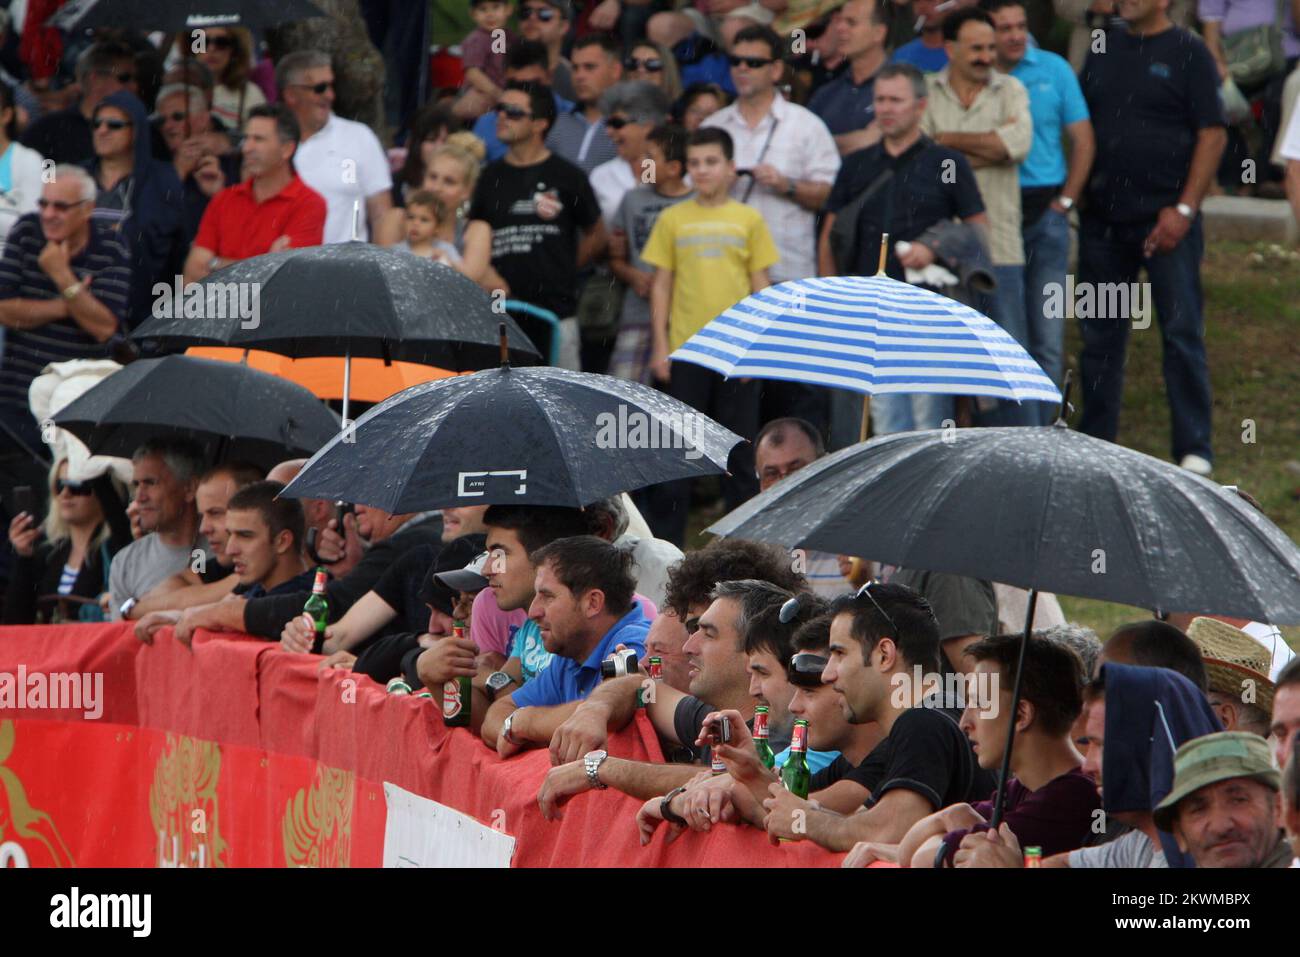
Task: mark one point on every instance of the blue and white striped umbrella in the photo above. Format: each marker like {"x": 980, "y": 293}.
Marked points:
{"x": 871, "y": 334}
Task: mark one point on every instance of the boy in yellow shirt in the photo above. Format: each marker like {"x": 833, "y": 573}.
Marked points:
{"x": 709, "y": 253}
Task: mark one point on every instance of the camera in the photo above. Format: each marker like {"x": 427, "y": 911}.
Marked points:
{"x": 618, "y": 664}
{"x": 721, "y": 733}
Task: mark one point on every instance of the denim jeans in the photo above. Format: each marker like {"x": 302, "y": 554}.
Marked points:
{"x": 909, "y": 412}
{"x": 1112, "y": 253}
{"x": 1047, "y": 254}
{"x": 1006, "y": 307}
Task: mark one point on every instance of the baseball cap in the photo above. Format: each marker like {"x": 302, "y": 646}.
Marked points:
{"x": 452, "y": 559}
{"x": 1212, "y": 758}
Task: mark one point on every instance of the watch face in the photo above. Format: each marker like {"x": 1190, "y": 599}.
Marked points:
{"x": 594, "y": 756}
{"x": 498, "y": 680}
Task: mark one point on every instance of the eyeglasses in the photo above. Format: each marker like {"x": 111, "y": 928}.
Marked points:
{"x": 176, "y": 116}
{"x": 317, "y": 88}
{"x": 72, "y": 488}
{"x": 652, "y": 65}
{"x": 866, "y": 590}
{"x": 58, "y": 205}
{"x": 617, "y": 122}
{"x": 545, "y": 14}
{"x": 753, "y": 62}
{"x": 513, "y": 112}
{"x": 113, "y": 125}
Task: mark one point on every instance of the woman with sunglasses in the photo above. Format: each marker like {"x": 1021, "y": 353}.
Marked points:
{"x": 652, "y": 63}
{"x": 228, "y": 53}
{"x": 86, "y": 525}
{"x": 20, "y": 170}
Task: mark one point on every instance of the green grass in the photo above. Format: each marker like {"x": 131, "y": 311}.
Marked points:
{"x": 1252, "y": 310}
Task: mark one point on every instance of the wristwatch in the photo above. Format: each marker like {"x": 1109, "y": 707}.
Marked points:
{"x": 505, "y": 727}
{"x": 790, "y": 188}
{"x": 126, "y": 607}
{"x": 497, "y": 682}
{"x": 591, "y": 763}
{"x": 73, "y": 291}
{"x": 1066, "y": 203}
{"x": 666, "y": 811}
{"x": 1185, "y": 211}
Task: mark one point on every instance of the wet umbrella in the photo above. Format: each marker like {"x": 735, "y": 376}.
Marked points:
{"x": 173, "y": 16}
{"x": 350, "y": 299}
{"x": 233, "y": 411}
{"x": 537, "y": 436}
{"x": 1044, "y": 508}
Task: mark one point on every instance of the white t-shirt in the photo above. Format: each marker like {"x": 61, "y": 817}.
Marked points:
{"x": 22, "y": 189}
{"x": 1291, "y": 141}
{"x": 141, "y": 565}
{"x": 343, "y": 162}
{"x": 610, "y": 182}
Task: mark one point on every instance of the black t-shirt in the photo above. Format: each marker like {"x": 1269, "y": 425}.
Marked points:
{"x": 1148, "y": 97}
{"x": 400, "y": 587}
{"x": 535, "y": 251}
{"x": 688, "y": 720}
{"x": 927, "y": 752}
{"x": 930, "y": 184}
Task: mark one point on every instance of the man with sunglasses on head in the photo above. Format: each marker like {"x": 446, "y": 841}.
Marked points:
{"x": 65, "y": 136}
{"x": 547, "y": 22}
{"x": 340, "y": 159}
{"x": 65, "y": 280}
{"x": 526, "y": 62}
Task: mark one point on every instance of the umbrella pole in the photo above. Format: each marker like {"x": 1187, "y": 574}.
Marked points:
{"x": 866, "y": 398}
{"x": 1004, "y": 775}
{"x": 347, "y": 383}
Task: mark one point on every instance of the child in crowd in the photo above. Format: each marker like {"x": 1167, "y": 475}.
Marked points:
{"x": 425, "y": 214}
{"x": 483, "y": 54}
{"x": 637, "y": 214}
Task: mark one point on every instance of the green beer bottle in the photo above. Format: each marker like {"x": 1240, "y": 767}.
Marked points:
{"x": 318, "y": 608}
{"x": 795, "y": 774}
{"x": 398, "y": 686}
{"x": 656, "y": 673}
{"x": 760, "y": 737}
{"x": 456, "y": 695}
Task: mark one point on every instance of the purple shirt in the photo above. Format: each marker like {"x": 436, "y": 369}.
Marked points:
{"x": 1238, "y": 15}
{"x": 1057, "y": 817}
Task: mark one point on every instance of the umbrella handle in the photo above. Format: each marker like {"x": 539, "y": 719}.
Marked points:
{"x": 1066, "y": 408}
{"x": 999, "y": 799}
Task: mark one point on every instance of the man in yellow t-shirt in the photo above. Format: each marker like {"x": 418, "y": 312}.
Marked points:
{"x": 709, "y": 253}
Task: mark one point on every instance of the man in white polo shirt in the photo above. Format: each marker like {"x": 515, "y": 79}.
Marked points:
{"x": 340, "y": 159}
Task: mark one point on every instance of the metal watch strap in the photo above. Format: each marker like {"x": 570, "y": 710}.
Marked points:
{"x": 666, "y": 811}
{"x": 593, "y": 771}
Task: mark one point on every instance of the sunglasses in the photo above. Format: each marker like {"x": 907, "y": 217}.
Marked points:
{"x": 513, "y": 112}
{"x": 617, "y": 122}
{"x": 124, "y": 78}
{"x": 176, "y": 116}
{"x": 753, "y": 62}
{"x": 113, "y": 125}
{"x": 866, "y": 590}
{"x": 58, "y": 205}
{"x": 653, "y": 65}
{"x": 692, "y": 625}
{"x": 221, "y": 43}
{"x": 72, "y": 488}
{"x": 806, "y": 668}
{"x": 317, "y": 88}
{"x": 545, "y": 14}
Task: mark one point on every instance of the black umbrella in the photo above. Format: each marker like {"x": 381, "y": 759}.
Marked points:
{"x": 233, "y": 411}
{"x": 1042, "y": 508}
{"x": 538, "y": 436}
{"x": 348, "y": 299}
{"x": 174, "y": 16}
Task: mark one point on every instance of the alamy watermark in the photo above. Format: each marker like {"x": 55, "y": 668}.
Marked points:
{"x": 55, "y": 690}
{"x": 642, "y": 430}
{"x": 211, "y": 300}
{"x": 1105, "y": 300}
{"x": 950, "y": 691}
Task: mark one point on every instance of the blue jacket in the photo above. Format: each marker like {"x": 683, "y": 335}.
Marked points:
{"x": 154, "y": 228}
{"x": 1149, "y": 713}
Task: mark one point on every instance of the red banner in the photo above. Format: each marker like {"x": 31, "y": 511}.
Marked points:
{"x": 235, "y": 754}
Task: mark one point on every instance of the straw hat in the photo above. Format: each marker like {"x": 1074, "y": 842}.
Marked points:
{"x": 1232, "y": 658}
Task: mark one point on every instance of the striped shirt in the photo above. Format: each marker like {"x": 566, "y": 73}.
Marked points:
{"x": 28, "y": 351}
{"x": 584, "y": 144}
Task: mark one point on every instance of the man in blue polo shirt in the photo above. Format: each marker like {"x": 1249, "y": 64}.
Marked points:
{"x": 584, "y": 607}
{"x": 1049, "y": 186}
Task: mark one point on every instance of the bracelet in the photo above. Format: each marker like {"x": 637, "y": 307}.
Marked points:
{"x": 666, "y": 811}
{"x": 73, "y": 291}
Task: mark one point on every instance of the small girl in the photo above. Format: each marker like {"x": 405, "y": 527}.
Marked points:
{"x": 424, "y": 214}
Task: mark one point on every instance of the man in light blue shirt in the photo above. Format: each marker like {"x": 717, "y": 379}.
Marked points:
{"x": 1049, "y": 186}
{"x": 584, "y": 607}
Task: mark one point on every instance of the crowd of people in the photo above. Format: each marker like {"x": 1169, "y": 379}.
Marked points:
{"x": 633, "y": 170}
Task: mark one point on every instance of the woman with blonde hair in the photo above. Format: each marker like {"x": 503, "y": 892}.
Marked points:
{"x": 61, "y": 578}
{"x": 228, "y": 53}
{"x": 654, "y": 63}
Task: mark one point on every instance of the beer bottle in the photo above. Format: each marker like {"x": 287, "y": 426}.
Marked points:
{"x": 398, "y": 686}
{"x": 760, "y": 737}
{"x": 795, "y": 774}
{"x": 318, "y": 608}
{"x": 655, "y": 666}
{"x": 456, "y": 694}
{"x": 1033, "y": 857}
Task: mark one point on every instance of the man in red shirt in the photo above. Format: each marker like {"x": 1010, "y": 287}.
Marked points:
{"x": 271, "y": 210}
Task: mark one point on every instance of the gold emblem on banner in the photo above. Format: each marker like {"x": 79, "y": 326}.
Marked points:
{"x": 317, "y": 823}
{"x": 183, "y": 804}
{"x": 19, "y": 821}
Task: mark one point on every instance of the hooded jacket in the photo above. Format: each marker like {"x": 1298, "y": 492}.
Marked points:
{"x": 154, "y": 227}
{"x": 1149, "y": 713}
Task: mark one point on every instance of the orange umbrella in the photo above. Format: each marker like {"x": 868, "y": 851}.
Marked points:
{"x": 372, "y": 381}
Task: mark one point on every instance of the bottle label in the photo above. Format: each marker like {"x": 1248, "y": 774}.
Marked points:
{"x": 760, "y": 725}
{"x": 318, "y": 587}
{"x": 799, "y": 739}
{"x": 451, "y": 703}
{"x": 716, "y": 764}
{"x": 656, "y": 669}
